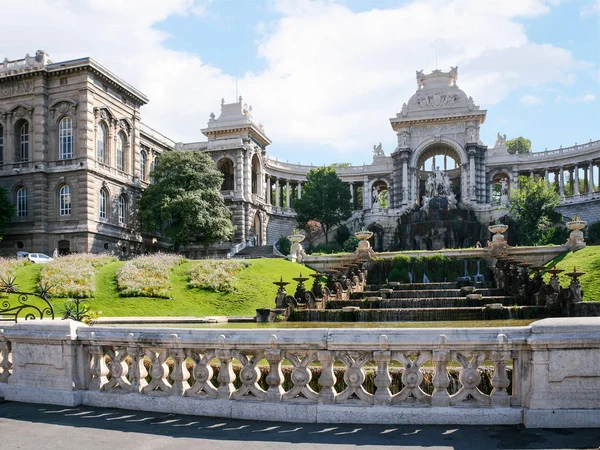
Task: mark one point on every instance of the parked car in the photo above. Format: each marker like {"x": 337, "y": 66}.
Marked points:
{"x": 39, "y": 258}
{"x": 22, "y": 255}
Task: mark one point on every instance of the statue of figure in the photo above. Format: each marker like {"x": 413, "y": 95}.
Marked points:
{"x": 420, "y": 79}
{"x": 430, "y": 186}
{"x": 375, "y": 197}
{"x": 377, "y": 150}
{"x": 471, "y": 104}
{"x": 403, "y": 139}
{"x": 500, "y": 140}
{"x": 439, "y": 176}
{"x": 504, "y": 187}
{"x": 404, "y": 111}
{"x": 446, "y": 183}
{"x": 453, "y": 75}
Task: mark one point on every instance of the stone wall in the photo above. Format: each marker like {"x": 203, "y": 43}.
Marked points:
{"x": 280, "y": 225}
{"x": 544, "y": 375}
{"x": 589, "y": 211}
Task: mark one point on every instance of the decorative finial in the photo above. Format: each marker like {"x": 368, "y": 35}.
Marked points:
{"x": 222, "y": 101}
{"x": 212, "y": 116}
{"x": 240, "y": 99}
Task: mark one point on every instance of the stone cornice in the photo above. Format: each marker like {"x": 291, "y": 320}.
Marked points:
{"x": 403, "y": 122}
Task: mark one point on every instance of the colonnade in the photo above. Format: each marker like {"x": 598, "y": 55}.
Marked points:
{"x": 589, "y": 170}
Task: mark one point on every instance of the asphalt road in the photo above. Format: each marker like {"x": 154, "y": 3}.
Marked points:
{"x": 43, "y": 427}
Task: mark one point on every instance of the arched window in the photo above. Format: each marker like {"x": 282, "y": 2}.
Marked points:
{"x": 122, "y": 209}
{"x": 101, "y": 143}
{"x": 120, "y": 152}
{"x": 24, "y": 142}
{"x": 255, "y": 175}
{"x": 22, "y": 202}
{"x": 65, "y": 138}
{"x": 64, "y": 200}
{"x": 1, "y": 145}
{"x": 143, "y": 161}
{"x": 103, "y": 203}
{"x": 225, "y": 166}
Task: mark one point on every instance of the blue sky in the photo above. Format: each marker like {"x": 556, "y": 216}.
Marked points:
{"x": 325, "y": 76}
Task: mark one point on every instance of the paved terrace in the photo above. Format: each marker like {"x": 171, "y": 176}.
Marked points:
{"x": 31, "y": 426}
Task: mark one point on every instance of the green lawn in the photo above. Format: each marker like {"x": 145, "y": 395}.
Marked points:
{"x": 254, "y": 289}
{"x": 585, "y": 260}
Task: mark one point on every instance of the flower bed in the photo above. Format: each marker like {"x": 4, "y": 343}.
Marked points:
{"x": 73, "y": 275}
{"x": 147, "y": 276}
{"x": 8, "y": 267}
{"x": 218, "y": 276}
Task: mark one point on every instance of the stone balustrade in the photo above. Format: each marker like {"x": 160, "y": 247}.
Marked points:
{"x": 553, "y": 381}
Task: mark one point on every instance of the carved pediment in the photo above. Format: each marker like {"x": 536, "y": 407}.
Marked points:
{"x": 21, "y": 110}
{"x": 104, "y": 113}
{"x": 63, "y": 107}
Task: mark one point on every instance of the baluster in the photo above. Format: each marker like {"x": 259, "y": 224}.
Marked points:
{"x": 500, "y": 381}
{"x": 383, "y": 395}
{"x": 5, "y": 361}
{"x": 226, "y": 376}
{"x": 441, "y": 358}
{"x": 180, "y": 373}
{"x": 275, "y": 377}
{"x": 138, "y": 370}
{"x": 327, "y": 379}
{"x": 99, "y": 370}
{"x": 382, "y": 357}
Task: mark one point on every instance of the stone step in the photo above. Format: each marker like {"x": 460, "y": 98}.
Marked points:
{"x": 410, "y": 303}
{"x": 431, "y": 293}
{"x": 418, "y": 315}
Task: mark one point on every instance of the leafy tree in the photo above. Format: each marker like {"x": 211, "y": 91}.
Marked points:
{"x": 185, "y": 199}
{"x": 518, "y": 145}
{"x": 7, "y": 210}
{"x": 325, "y": 198}
{"x": 532, "y": 207}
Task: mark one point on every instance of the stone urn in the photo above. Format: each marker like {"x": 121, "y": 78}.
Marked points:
{"x": 576, "y": 240}
{"x": 498, "y": 230}
{"x": 364, "y": 250}
{"x": 296, "y": 249}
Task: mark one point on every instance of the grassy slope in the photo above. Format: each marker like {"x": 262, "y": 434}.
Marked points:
{"x": 586, "y": 260}
{"x": 254, "y": 289}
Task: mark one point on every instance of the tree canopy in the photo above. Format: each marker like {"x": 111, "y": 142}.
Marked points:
{"x": 7, "y": 210}
{"x": 325, "y": 198}
{"x": 518, "y": 145}
{"x": 532, "y": 207}
{"x": 185, "y": 200}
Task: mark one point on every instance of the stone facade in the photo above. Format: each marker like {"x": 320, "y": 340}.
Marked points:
{"x": 76, "y": 124}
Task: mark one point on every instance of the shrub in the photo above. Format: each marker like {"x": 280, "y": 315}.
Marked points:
{"x": 73, "y": 275}
{"x": 594, "y": 233}
{"x": 342, "y": 234}
{"x": 351, "y": 244}
{"x": 284, "y": 245}
{"x": 147, "y": 276}
{"x": 217, "y": 276}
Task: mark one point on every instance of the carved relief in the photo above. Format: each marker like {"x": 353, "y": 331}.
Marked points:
{"x": 16, "y": 89}
{"x": 432, "y": 130}
{"x": 437, "y": 100}
{"x": 65, "y": 107}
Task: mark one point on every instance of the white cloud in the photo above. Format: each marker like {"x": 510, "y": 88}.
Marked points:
{"x": 530, "y": 100}
{"x": 333, "y": 77}
{"x": 585, "y": 98}
{"x": 590, "y": 9}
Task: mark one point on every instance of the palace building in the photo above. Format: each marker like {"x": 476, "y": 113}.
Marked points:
{"x": 75, "y": 157}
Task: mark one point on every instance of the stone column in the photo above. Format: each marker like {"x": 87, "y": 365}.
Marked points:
{"x": 591, "y": 183}
{"x": 561, "y": 182}
{"x": 472, "y": 181}
{"x": 571, "y": 181}
{"x": 404, "y": 179}
{"x": 299, "y": 189}
{"x": 366, "y": 194}
{"x": 531, "y": 174}
{"x": 268, "y": 193}
{"x": 277, "y": 194}
{"x": 351, "y": 186}
{"x": 576, "y": 180}
{"x": 586, "y": 183}
{"x": 287, "y": 194}
{"x": 546, "y": 175}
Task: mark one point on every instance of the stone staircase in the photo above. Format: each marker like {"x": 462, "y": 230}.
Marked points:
{"x": 262, "y": 251}
{"x": 419, "y": 302}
